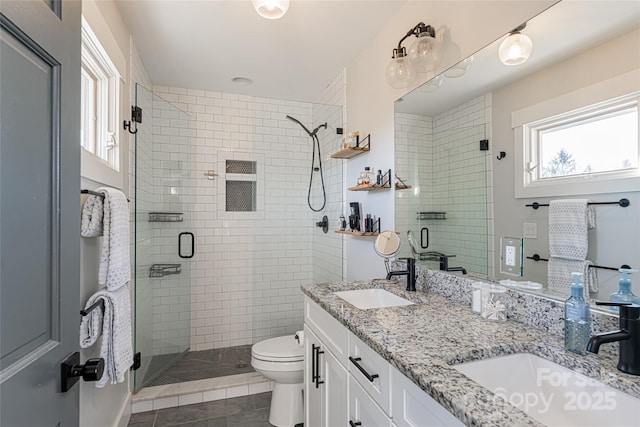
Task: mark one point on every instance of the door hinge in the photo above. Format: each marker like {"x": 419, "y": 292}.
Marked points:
{"x": 137, "y": 361}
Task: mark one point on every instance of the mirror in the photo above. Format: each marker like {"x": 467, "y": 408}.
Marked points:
{"x": 387, "y": 244}
{"x": 460, "y": 200}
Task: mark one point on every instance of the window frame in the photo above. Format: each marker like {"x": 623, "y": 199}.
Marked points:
{"x": 101, "y": 157}
{"x": 599, "y": 99}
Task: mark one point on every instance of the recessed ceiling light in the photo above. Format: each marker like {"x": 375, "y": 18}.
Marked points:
{"x": 242, "y": 81}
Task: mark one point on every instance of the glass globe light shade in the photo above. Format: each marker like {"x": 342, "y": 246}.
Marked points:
{"x": 424, "y": 53}
{"x": 460, "y": 69}
{"x": 399, "y": 73}
{"x": 432, "y": 85}
{"x": 515, "y": 49}
{"x": 271, "y": 9}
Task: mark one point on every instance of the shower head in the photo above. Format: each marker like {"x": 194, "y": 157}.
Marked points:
{"x": 311, "y": 134}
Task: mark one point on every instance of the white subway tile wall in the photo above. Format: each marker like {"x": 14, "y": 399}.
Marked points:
{"x": 248, "y": 266}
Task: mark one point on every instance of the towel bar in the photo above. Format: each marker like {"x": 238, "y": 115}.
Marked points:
{"x": 99, "y": 303}
{"x": 623, "y": 203}
{"x": 537, "y": 257}
{"x": 95, "y": 193}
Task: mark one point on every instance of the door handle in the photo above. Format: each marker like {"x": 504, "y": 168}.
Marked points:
{"x": 186, "y": 233}
{"x": 71, "y": 370}
{"x": 369, "y": 376}
{"x": 357, "y": 423}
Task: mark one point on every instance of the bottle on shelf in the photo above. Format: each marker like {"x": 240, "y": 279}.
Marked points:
{"x": 624, "y": 293}
{"x": 577, "y": 319}
{"x": 366, "y": 177}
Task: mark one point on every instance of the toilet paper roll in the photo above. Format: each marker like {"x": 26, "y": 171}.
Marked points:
{"x": 300, "y": 338}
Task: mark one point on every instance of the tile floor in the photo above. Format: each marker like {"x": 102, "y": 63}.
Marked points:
{"x": 198, "y": 365}
{"x": 244, "y": 411}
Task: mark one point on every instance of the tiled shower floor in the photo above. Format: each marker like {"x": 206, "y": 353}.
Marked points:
{"x": 198, "y": 365}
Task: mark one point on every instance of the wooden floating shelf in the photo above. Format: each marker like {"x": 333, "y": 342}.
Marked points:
{"x": 357, "y": 233}
{"x": 350, "y": 153}
{"x": 369, "y": 187}
{"x": 402, "y": 187}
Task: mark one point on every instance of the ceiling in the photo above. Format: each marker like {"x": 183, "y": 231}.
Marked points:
{"x": 203, "y": 44}
{"x": 565, "y": 29}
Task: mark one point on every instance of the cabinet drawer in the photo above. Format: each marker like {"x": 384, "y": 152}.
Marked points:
{"x": 413, "y": 407}
{"x": 371, "y": 371}
{"x": 332, "y": 333}
{"x": 362, "y": 408}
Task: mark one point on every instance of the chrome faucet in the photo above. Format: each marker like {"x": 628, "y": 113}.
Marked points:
{"x": 410, "y": 272}
{"x": 628, "y": 336}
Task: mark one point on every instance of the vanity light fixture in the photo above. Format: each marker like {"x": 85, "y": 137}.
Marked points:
{"x": 423, "y": 56}
{"x": 271, "y": 9}
{"x": 460, "y": 69}
{"x": 516, "y": 48}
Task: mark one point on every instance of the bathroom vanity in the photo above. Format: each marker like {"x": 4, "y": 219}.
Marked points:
{"x": 397, "y": 365}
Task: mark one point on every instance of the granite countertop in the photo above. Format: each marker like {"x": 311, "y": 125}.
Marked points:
{"x": 424, "y": 340}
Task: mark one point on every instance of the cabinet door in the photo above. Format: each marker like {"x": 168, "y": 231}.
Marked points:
{"x": 363, "y": 411}
{"x": 312, "y": 394}
{"x": 326, "y": 382}
{"x": 336, "y": 379}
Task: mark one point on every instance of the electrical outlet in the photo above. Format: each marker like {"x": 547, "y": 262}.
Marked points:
{"x": 530, "y": 230}
{"x": 510, "y": 256}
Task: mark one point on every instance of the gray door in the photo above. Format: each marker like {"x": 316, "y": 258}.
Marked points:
{"x": 39, "y": 209}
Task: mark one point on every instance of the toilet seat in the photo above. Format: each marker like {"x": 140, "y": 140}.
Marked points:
{"x": 279, "y": 349}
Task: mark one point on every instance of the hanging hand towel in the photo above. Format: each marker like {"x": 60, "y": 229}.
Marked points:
{"x": 569, "y": 221}
{"x": 92, "y": 215}
{"x": 114, "y": 324}
{"x": 559, "y": 274}
{"x": 91, "y": 324}
{"x": 114, "y": 259}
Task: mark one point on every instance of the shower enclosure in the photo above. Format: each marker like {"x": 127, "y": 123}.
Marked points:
{"x": 235, "y": 172}
{"x": 163, "y": 243}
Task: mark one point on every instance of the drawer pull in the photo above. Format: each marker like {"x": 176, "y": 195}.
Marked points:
{"x": 361, "y": 369}
{"x": 315, "y": 365}
{"x": 357, "y": 423}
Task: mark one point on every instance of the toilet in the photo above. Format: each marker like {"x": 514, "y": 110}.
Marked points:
{"x": 281, "y": 360}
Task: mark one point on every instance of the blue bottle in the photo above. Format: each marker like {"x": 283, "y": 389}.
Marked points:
{"x": 577, "y": 319}
{"x": 624, "y": 293}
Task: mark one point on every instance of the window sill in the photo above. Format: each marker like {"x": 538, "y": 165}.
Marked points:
{"x": 95, "y": 169}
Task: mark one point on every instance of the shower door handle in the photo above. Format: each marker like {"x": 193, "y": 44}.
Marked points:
{"x": 193, "y": 240}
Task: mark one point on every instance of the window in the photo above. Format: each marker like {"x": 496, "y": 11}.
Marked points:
{"x": 582, "y": 142}
{"x": 602, "y": 139}
{"x": 100, "y": 100}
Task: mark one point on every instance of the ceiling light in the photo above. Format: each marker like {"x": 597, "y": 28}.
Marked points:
{"x": 242, "y": 81}
{"x": 516, "y": 48}
{"x": 423, "y": 56}
{"x": 271, "y": 9}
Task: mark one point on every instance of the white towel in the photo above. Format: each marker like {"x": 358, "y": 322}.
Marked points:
{"x": 559, "y": 274}
{"x": 115, "y": 327}
{"x": 569, "y": 222}
{"x": 92, "y": 214}
{"x": 115, "y": 270}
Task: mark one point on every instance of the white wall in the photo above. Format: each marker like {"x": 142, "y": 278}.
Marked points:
{"x": 109, "y": 405}
{"x": 467, "y": 26}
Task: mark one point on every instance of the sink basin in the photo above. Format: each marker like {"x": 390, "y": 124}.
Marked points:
{"x": 365, "y": 299}
{"x": 553, "y": 394}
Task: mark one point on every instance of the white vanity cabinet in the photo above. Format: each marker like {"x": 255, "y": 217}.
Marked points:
{"x": 348, "y": 384}
{"x": 325, "y": 375}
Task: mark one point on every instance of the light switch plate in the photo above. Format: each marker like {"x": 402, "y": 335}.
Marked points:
{"x": 530, "y": 230}
{"x": 511, "y": 255}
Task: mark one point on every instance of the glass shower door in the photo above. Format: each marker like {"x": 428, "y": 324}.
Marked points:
{"x": 163, "y": 244}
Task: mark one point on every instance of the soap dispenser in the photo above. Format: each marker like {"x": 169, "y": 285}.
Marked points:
{"x": 624, "y": 293}
{"x": 577, "y": 318}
